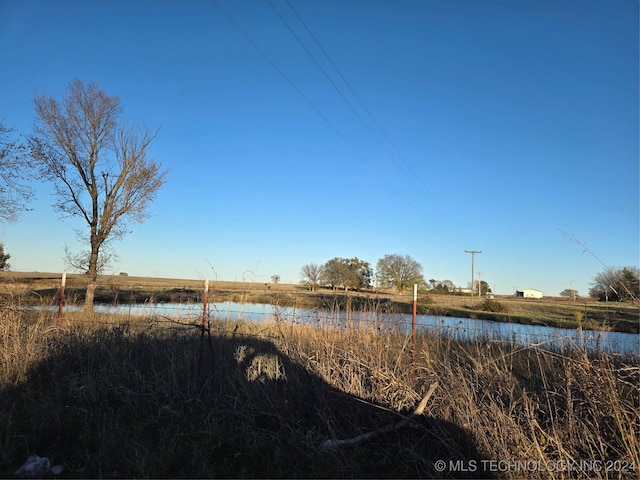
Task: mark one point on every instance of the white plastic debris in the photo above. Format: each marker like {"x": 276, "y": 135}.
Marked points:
{"x": 37, "y": 467}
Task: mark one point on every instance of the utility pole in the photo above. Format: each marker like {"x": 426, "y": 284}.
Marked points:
{"x": 473, "y": 254}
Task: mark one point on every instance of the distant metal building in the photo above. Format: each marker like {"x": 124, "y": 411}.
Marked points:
{"x": 529, "y": 293}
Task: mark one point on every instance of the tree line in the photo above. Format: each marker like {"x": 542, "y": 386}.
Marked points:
{"x": 613, "y": 284}
{"x": 392, "y": 271}
{"x": 617, "y": 284}
{"x": 401, "y": 272}
{"x": 395, "y": 271}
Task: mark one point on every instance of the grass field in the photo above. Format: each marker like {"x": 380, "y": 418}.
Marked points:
{"x": 107, "y": 396}
{"x": 585, "y": 313}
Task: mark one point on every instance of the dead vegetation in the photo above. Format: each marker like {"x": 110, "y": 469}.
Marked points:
{"x": 117, "y": 397}
{"x": 584, "y": 313}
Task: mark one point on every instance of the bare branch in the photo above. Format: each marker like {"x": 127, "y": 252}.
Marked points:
{"x": 14, "y": 169}
{"x": 311, "y": 274}
{"x": 79, "y": 261}
{"x": 330, "y": 444}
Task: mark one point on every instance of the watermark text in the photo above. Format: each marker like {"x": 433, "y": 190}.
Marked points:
{"x": 584, "y": 466}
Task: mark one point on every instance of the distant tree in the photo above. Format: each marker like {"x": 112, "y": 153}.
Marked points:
{"x": 399, "y": 271}
{"x": 601, "y": 285}
{"x": 123, "y": 274}
{"x": 348, "y": 273}
{"x": 360, "y": 273}
{"x": 616, "y": 284}
{"x": 449, "y": 285}
{"x": 98, "y": 166}
{"x": 311, "y": 275}
{"x": 441, "y": 288}
{"x": 484, "y": 288}
{"x": 569, "y": 293}
{"x": 333, "y": 272}
{"x": 14, "y": 173}
{"x": 630, "y": 284}
{"x": 4, "y": 259}
{"x": 275, "y": 278}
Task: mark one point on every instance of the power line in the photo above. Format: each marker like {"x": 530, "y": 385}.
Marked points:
{"x": 292, "y": 84}
{"x": 357, "y": 97}
{"x": 324, "y": 72}
{"x": 414, "y": 176}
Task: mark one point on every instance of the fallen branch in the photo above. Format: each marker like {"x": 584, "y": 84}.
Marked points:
{"x": 330, "y": 444}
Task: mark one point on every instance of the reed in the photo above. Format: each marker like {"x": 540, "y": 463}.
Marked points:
{"x": 152, "y": 397}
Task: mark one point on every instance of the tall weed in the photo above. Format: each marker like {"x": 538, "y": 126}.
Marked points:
{"x": 117, "y": 397}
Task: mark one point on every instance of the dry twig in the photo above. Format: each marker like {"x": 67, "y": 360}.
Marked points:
{"x": 329, "y": 444}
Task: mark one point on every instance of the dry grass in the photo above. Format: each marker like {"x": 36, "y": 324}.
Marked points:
{"x": 117, "y": 397}
{"x": 550, "y": 311}
{"x": 516, "y": 403}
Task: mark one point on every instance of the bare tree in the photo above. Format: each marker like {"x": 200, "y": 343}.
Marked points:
{"x": 98, "y": 166}
{"x": 14, "y": 168}
{"x": 311, "y": 274}
{"x": 617, "y": 284}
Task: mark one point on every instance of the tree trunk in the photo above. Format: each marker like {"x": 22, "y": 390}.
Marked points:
{"x": 89, "y": 295}
{"x": 92, "y": 274}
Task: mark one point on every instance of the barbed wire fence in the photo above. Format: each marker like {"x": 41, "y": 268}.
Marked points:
{"x": 200, "y": 317}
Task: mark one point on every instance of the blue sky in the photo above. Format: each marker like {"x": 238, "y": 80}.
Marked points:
{"x": 485, "y": 125}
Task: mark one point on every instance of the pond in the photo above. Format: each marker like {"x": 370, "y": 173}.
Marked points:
{"x": 452, "y": 327}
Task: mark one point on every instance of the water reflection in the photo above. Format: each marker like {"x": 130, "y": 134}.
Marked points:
{"x": 452, "y": 327}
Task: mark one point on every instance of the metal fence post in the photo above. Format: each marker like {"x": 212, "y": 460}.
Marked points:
{"x": 61, "y": 298}
{"x": 413, "y": 320}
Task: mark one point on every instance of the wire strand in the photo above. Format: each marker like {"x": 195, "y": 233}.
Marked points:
{"x": 294, "y": 86}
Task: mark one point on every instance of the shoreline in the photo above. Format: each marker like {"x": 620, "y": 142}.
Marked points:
{"x": 585, "y": 313}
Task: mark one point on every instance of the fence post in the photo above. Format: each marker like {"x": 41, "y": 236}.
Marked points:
{"x": 61, "y": 298}
{"x": 205, "y": 302}
{"x": 413, "y": 320}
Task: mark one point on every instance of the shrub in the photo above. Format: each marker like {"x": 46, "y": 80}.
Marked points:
{"x": 490, "y": 305}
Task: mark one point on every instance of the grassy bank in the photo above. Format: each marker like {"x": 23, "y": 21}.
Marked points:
{"x": 560, "y": 313}
{"x": 550, "y": 311}
{"x": 112, "y": 397}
